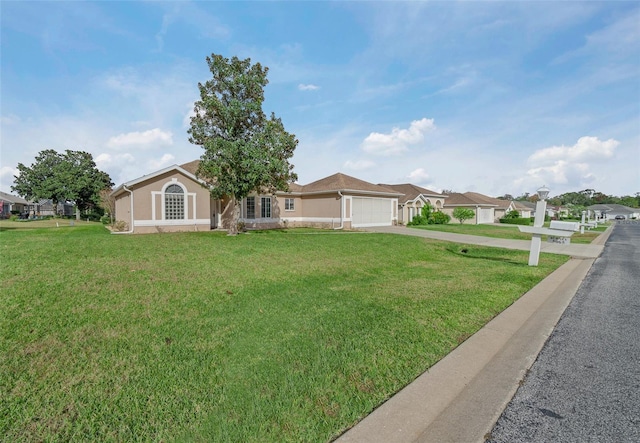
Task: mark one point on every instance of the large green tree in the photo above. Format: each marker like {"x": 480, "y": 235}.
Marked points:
{"x": 244, "y": 151}
{"x": 70, "y": 176}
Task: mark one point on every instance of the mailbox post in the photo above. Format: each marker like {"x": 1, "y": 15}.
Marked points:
{"x": 538, "y": 221}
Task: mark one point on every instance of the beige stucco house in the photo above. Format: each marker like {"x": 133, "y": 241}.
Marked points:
{"x": 486, "y": 209}
{"x": 413, "y": 199}
{"x": 174, "y": 199}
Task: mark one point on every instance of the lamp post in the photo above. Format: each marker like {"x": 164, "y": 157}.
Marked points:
{"x": 538, "y": 221}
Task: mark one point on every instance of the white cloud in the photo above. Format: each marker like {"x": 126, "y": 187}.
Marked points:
{"x": 141, "y": 138}
{"x": 568, "y": 166}
{"x": 106, "y": 160}
{"x": 418, "y": 175}
{"x": 6, "y": 177}
{"x": 358, "y": 165}
{"x": 587, "y": 148}
{"x": 398, "y": 140}
{"x": 102, "y": 159}
{"x": 165, "y": 160}
{"x": 186, "y": 121}
{"x": 10, "y": 119}
{"x": 310, "y": 87}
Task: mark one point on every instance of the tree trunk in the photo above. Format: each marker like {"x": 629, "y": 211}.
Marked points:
{"x": 235, "y": 218}
{"x": 77, "y": 213}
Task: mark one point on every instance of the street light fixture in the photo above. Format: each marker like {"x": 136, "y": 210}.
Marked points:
{"x": 543, "y": 193}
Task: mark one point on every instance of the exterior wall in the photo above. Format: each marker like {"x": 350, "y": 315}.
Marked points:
{"x": 298, "y": 205}
{"x": 148, "y": 200}
{"x": 170, "y": 228}
{"x": 436, "y": 203}
{"x": 123, "y": 209}
{"x": 498, "y": 214}
{"x": 471, "y": 221}
{"x": 474, "y": 220}
{"x": 327, "y": 206}
{"x": 316, "y": 211}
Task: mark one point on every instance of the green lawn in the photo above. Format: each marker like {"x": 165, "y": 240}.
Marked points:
{"x": 509, "y": 231}
{"x": 272, "y": 336}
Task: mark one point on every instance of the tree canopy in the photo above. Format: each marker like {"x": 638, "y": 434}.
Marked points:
{"x": 60, "y": 177}
{"x": 244, "y": 151}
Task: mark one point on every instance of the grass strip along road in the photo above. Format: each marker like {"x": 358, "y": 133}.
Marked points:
{"x": 269, "y": 336}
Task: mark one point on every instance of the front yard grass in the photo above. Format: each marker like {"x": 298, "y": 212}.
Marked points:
{"x": 268, "y": 336}
{"x": 509, "y": 231}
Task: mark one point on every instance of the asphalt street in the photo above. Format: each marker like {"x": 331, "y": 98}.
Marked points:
{"x": 585, "y": 383}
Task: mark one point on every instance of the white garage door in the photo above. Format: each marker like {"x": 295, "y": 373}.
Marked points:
{"x": 371, "y": 212}
{"x": 485, "y": 215}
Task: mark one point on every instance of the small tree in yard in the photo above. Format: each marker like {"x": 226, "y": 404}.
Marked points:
{"x": 244, "y": 151}
{"x": 108, "y": 203}
{"x": 512, "y": 215}
{"x": 463, "y": 214}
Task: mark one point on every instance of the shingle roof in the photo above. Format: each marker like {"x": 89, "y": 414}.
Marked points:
{"x": 614, "y": 207}
{"x": 343, "y": 182}
{"x": 294, "y": 187}
{"x": 500, "y": 204}
{"x": 411, "y": 191}
{"x": 191, "y": 167}
{"x": 457, "y": 199}
{"x": 333, "y": 183}
{"x": 524, "y": 204}
{"x": 13, "y": 198}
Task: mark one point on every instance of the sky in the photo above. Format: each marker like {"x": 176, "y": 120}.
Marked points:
{"x": 491, "y": 97}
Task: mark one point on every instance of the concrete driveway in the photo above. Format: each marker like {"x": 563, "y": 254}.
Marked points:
{"x": 592, "y": 250}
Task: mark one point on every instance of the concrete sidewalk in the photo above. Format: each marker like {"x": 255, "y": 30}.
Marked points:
{"x": 460, "y": 398}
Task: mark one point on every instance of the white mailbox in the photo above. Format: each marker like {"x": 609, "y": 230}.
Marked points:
{"x": 565, "y": 225}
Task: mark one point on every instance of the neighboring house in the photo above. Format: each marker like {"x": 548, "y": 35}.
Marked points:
{"x": 483, "y": 212}
{"x": 609, "y": 211}
{"x": 414, "y": 198}
{"x": 45, "y": 207}
{"x": 174, "y": 199}
{"x": 486, "y": 209}
{"x": 9, "y": 203}
{"x": 556, "y": 212}
{"x": 501, "y": 208}
{"x": 526, "y": 209}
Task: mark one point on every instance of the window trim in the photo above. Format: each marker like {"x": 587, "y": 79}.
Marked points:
{"x": 252, "y": 215}
{"x": 265, "y": 207}
{"x": 167, "y": 202}
{"x": 289, "y": 204}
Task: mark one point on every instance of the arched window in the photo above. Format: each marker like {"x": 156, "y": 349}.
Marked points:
{"x": 174, "y": 203}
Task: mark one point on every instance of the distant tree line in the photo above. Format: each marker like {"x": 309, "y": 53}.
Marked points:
{"x": 584, "y": 198}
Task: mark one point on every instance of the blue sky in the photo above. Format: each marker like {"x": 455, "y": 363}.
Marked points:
{"x": 492, "y": 97}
